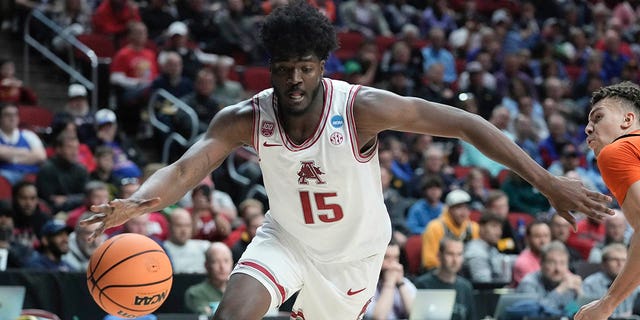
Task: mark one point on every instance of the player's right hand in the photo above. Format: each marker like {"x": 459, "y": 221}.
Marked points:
{"x": 117, "y": 212}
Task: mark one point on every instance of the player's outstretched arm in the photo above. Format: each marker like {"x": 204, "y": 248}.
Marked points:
{"x": 627, "y": 280}
{"x": 230, "y": 128}
{"x": 377, "y": 110}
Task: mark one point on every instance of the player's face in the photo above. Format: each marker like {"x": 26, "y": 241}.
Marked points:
{"x": 605, "y": 124}
{"x": 297, "y": 82}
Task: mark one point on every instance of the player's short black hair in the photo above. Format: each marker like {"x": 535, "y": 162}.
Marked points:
{"x": 626, "y": 91}
{"x": 298, "y": 29}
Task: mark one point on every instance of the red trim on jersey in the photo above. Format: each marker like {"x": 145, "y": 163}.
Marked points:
{"x": 361, "y": 157}
{"x": 266, "y": 272}
{"x": 297, "y": 315}
{"x": 364, "y": 309}
{"x": 255, "y": 138}
{"x": 328, "y": 100}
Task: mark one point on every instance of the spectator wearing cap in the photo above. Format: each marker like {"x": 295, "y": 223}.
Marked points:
{"x": 453, "y": 223}
{"x": 17, "y": 252}
{"x": 124, "y": 152}
{"x": 482, "y": 259}
{"x": 61, "y": 181}
{"x": 21, "y": 150}
{"x": 429, "y": 207}
{"x": 193, "y": 58}
{"x": 54, "y": 243}
{"x": 78, "y": 106}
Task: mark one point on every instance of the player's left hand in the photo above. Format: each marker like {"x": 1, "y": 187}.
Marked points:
{"x": 568, "y": 195}
{"x": 594, "y": 310}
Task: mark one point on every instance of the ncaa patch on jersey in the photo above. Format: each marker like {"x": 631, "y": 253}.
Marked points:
{"x": 337, "y": 121}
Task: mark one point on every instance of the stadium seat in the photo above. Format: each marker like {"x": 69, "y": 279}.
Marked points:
{"x": 101, "y": 44}
{"x": 5, "y": 189}
{"x": 349, "y": 43}
{"x": 514, "y": 217}
{"x": 383, "y": 43}
{"x": 475, "y": 215}
{"x": 256, "y": 78}
{"x": 35, "y": 118}
{"x": 413, "y": 251}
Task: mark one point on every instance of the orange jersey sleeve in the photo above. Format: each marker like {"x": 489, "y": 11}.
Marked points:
{"x": 619, "y": 165}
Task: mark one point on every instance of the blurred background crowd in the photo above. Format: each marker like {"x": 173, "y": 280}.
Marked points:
{"x": 528, "y": 67}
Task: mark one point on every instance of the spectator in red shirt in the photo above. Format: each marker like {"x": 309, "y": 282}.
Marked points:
{"x": 133, "y": 69}
{"x": 588, "y": 234}
{"x": 113, "y": 16}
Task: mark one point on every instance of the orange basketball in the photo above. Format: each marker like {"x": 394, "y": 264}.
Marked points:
{"x": 129, "y": 275}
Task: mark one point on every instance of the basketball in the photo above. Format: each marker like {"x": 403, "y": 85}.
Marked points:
{"x": 129, "y": 275}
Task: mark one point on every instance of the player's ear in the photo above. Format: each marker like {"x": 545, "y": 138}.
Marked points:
{"x": 629, "y": 119}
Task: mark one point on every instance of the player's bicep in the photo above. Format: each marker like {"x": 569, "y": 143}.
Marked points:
{"x": 229, "y": 129}
{"x": 379, "y": 110}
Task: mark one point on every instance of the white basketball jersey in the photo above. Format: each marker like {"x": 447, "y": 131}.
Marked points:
{"x": 324, "y": 192}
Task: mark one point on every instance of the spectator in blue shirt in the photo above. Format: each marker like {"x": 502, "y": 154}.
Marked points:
{"x": 427, "y": 208}
{"x": 54, "y": 243}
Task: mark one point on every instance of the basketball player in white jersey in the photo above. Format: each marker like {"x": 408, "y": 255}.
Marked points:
{"x": 327, "y": 230}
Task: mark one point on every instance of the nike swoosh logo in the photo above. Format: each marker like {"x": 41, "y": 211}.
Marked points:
{"x": 350, "y": 293}
{"x": 266, "y": 144}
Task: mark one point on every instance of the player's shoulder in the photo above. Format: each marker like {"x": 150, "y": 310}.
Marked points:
{"x": 620, "y": 149}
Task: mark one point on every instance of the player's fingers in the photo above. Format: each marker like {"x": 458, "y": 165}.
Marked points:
{"x": 100, "y": 208}
{"x": 598, "y": 196}
{"x": 99, "y": 217}
{"x": 96, "y": 233}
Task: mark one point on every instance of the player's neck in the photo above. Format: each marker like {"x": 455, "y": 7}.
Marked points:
{"x": 299, "y": 127}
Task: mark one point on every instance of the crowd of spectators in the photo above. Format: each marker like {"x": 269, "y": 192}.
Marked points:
{"x": 514, "y": 63}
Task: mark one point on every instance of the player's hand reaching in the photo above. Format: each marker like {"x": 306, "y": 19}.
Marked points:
{"x": 567, "y": 195}
{"x": 595, "y": 310}
{"x": 117, "y": 212}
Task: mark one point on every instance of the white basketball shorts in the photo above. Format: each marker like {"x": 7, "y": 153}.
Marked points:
{"x": 325, "y": 290}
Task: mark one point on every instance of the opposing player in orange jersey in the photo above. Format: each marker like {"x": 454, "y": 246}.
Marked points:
{"x": 613, "y": 132}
